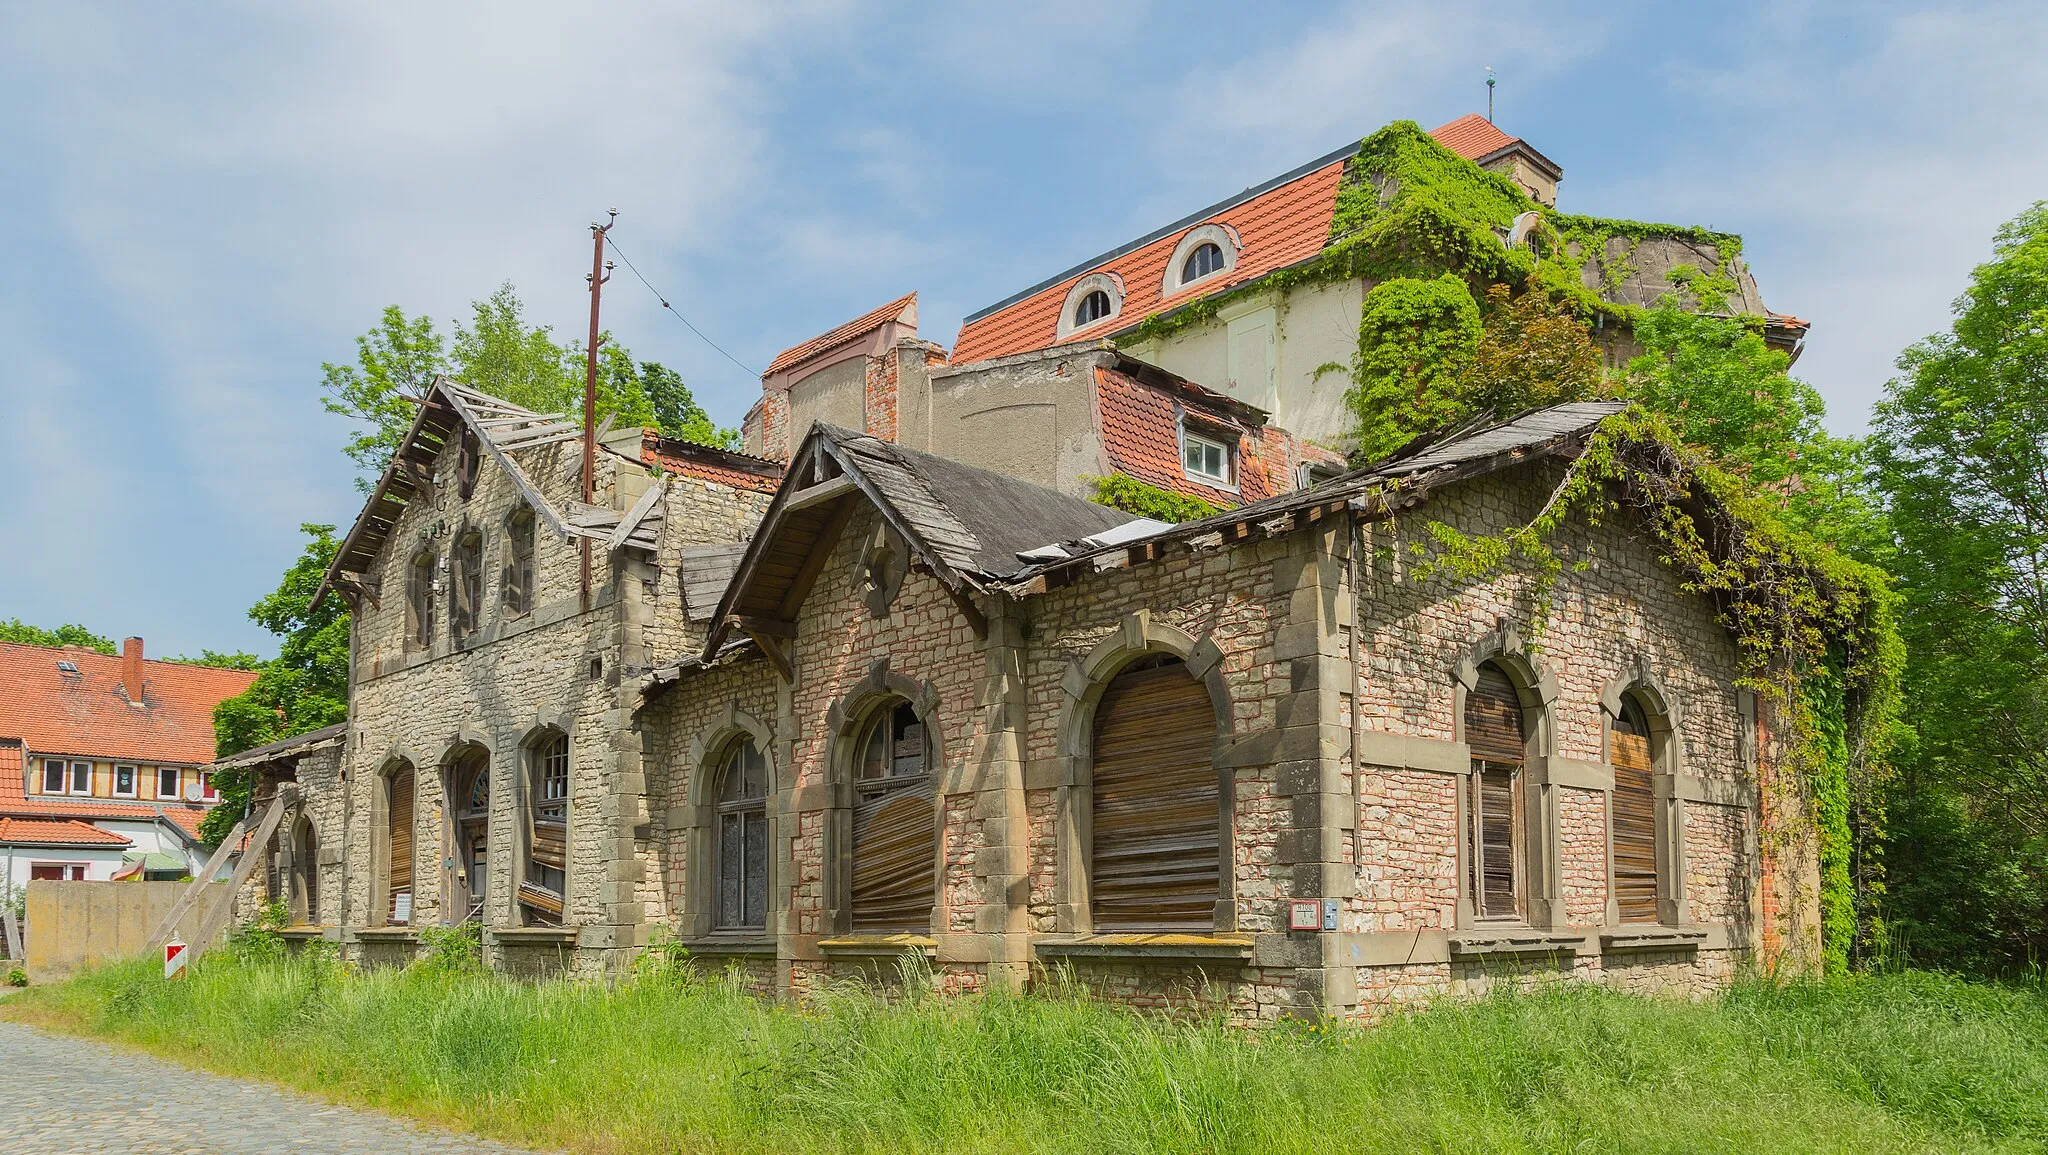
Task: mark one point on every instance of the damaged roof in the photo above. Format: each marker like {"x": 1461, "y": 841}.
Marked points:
{"x": 293, "y": 746}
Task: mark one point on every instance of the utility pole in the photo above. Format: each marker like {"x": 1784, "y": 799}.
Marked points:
{"x": 598, "y": 276}
{"x": 1489, "y": 94}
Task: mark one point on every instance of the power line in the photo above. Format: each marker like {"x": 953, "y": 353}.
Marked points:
{"x": 671, "y": 308}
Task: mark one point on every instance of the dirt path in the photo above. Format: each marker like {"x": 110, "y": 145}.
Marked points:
{"x": 68, "y": 1096}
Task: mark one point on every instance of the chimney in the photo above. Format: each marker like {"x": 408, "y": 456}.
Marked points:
{"x": 131, "y": 670}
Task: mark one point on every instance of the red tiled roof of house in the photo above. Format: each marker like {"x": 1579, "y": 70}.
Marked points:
{"x": 1141, "y": 435}
{"x": 45, "y": 832}
{"x": 1472, "y": 136}
{"x": 718, "y": 466}
{"x": 88, "y": 713}
{"x": 1284, "y": 225}
{"x": 903, "y": 309}
{"x": 14, "y": 800}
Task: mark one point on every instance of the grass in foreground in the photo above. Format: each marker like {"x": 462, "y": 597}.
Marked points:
{"x": 1905, "y": 1062}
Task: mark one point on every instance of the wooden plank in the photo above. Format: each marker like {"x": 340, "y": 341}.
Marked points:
{"x": 631, "y": 521}
{"x": 1634, "y": 823}
{"x": 820, "y": 493}
{"x": 755, "y": 624}
{"x": 776, "y": 657}
{"x": 803, "y": 577}
{"x": 195, "y": 888}
{"x": 895, "y": 857}
{"x": 542, "y": 508}
{"x": 1156, "y": 854}
{"x": 216, "y": 918}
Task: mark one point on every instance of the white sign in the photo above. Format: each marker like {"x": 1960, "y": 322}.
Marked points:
{"x": 1305, "y": 915}
{"x": 174, "y": 959}
{"x": 401, "y": 907}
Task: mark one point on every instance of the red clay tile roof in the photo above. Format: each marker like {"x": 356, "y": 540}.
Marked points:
{"x": 15, "y": 801}
{"x": 718, "y": 466}
{"x": 903, "y": 308}
{"x": 1282, "y": 226}
{"x": 44, "y": 832}
{"x": 1141, "y": 435}
{"x": 1472, "y": 136}
{"x": 88, "y": 713}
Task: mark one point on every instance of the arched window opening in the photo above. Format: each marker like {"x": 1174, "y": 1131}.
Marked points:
{"x": 1093, "y": 307}
{"x": 1206, "y": 259}
{"x": 517, "y": 586}
{"x": 743, "y": 839}
{"x": 398, "y": 799}
{"x": 1635, "y": 814}
{"x": 544, "y": 890}
{"x": 1494, "y": 731}
{"x": 466, "y": 592}
{"x": 471, "y": 784}
{"x": 1156, "y": 854}
{"x": 419, "y": 599}
{"x": 469, "y": 455}
{"x": 895, "y": 827}
{"x": 303, "y": 894}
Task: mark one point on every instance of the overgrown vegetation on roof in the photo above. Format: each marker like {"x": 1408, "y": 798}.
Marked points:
{"x": 1122, "y": 491}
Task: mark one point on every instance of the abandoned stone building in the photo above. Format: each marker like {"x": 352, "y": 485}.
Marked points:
{"x": 891, "y": 687}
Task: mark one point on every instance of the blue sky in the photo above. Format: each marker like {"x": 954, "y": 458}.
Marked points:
{"x": 200, "y": 203}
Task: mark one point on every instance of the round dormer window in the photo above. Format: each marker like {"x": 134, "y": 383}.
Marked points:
{"x": 1205, "y": 251}
{"x": 1091, "y": 301}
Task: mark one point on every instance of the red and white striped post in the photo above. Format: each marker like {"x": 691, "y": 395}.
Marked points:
{"x": 174, "y": 959}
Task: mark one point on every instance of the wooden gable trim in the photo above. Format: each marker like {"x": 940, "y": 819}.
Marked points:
{"x": 542, "y": 507}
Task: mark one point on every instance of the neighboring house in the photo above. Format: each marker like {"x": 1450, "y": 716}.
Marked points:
{"x": 119, "y": 745}
{"x": 1244, "y": 296}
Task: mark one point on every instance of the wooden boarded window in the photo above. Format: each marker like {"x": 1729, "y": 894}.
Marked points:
{"x": 466, "y": 590}
{"x": 895, "y": 827}
{"x": 398, "y": 814}
{"x": 419, "y": 600}
{"x": 543, "y": 892}
{"x": 743, "y": 840}
{"x": 517, "y": 586}
{"x": 1635, "y": 815}
{"x": 1493, "y": 729}
{"x": 1155, "y": 859}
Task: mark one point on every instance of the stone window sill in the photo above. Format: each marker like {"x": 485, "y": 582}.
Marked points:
{"x": 388, "y": 933}
{"x": 534, "y": 935}
{"x": 1515, "y": 940}
{"x": 880, "y": 945}
{"x": 303, "y": 932}
{"x": 735, "y": 946}
{"x": 1652, "y": 938}
{"x": 1225, "y": 948}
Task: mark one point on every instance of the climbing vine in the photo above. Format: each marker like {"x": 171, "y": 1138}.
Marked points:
{"x": 1122, "y": 491}
{"x": 1815, "y": 631}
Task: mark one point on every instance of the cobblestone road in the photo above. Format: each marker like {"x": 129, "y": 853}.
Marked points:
{"x": 65, "y": 1096}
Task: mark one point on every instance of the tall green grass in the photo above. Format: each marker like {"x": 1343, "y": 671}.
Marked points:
{"x": 1906, "y": 1062}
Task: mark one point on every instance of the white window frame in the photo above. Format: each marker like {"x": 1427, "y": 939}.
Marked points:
{"x": 63, "y": 775}
{"x": 73, "y": 786}
{"x": 177, "y": 782}
{"x": 1108, "y": 283}
{"x": 1223, "y": 236}
{"x": 134, "y": 780}
{"x": 1228, "y": 479}
{"x": 84, "y": 873}
{"x": 206, "y": 791}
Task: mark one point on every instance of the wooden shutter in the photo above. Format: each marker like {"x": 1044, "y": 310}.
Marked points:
{"x": 551, "y": 843}
{"x": 895, "y": 852}
{"x": 400, "y": 811}
{"x": 1157, "y": 847}
{"x": 1493, "y": 729}
{"x": 1635, "y": 827}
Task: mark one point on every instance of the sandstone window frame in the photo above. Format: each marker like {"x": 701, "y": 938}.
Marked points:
{"x": 516, "y": 585}
{"x": 1222, "y": 237}
{"x": 707, "y": 760}
{"x": 1662, "y": 712}
{"x": 1086, "y": 680}
{"x": 421, "y": 581}
{"x": 302, "y": 888}
{"x": 1107, "y": 283}
{"x": 466, "y": 584}
{"x": 383, "y": 788}
{"x": 546, "y": 788}
{"x": 1540, "y": 857}
{"x": 849, "y": 721}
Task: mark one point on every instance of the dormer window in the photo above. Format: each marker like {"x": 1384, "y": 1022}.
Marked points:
{"x": 1092, "y": 300}
{"x": 1206, "y": 259}
{"x": 1204, "y": 251}
{"x": 1093, "y": 307}
{"x": 1207, "y": 460}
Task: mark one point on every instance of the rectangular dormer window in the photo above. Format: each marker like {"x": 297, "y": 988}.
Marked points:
{"x": 53, "y": 775}
{"x": 1207, "y": 460}
{"x": 167, "y": 782}
{"x": 81, "y": 778}
{"x": 124, "y": 781}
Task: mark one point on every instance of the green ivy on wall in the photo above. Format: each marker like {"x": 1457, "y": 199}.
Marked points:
{"x": 1122, "y": 491}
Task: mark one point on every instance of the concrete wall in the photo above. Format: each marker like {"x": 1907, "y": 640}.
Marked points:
{"x": 70, "y": 925}
{"x": 836, "y": 395}
{"x": 1031, "y": 416}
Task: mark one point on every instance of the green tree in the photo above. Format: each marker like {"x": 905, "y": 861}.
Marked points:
{"x": 305, "y": 688}
{"x": 239, "y": 660}
{"x": 499, "y": 353}
{"x": 1960, "y": 451}
{"x": 395, "y": 363}
{"x": 676, "y": 411}
{"x": 16, "y": 630}
{"x": 1535, "y": 351}
{"x": 1416, "y": 338}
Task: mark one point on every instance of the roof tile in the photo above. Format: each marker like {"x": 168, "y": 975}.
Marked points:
{"x": 88, "y": 713}
{"x": 47, "y": 832}
{"x": 866, "y": 323}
